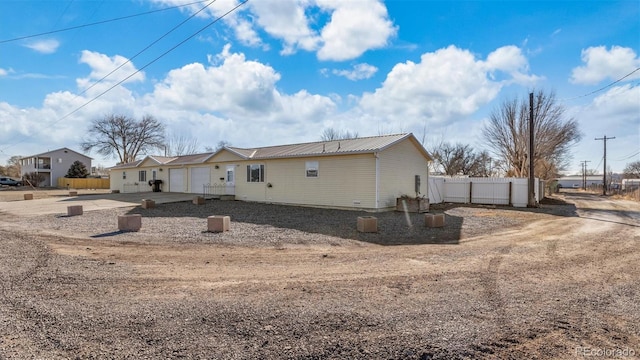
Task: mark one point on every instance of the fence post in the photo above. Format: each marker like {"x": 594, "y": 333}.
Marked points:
{"x": 510, "y": 192}
{"x": 470, "y": 192}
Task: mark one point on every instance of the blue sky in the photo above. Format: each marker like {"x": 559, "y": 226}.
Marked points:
{"x": 281, "y": 71}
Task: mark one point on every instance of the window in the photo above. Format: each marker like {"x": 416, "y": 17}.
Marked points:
{"x": 311, "y": 168}
{"x": 59, "y": 160}
{"x": 124, "y": 175}
{"x": 153, "y": 174}
{"x": 142, "y": 175}
{"x": 255, "y": 173}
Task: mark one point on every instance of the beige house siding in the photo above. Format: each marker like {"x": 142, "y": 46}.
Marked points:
{"x": 398, "y": 167}
{"x": 343, "y": 181}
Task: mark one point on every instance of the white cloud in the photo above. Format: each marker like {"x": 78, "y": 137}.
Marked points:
{"x": 602, "y": 64}
{"x": 48, "y": 46}
{"x": 355, "y": 27}
{"x": 359, "y": 72}
{"x": 615, "y": 114}
{"x": 4, "y": 72}
{"x": 286, "y": 20}
{"x": 105, "y": 66}
{"x": 444, "y": 87}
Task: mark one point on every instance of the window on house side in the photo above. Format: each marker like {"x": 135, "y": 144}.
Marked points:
{"x": 142, "y": 175}
{"x": 124, "y": 175}
{"x": 311, "y": 168}
{"x": 255, "y": 173}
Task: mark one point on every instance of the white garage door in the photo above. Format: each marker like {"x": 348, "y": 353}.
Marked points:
{"x": 176, "y": 180}
{"x": 199, "y": 178}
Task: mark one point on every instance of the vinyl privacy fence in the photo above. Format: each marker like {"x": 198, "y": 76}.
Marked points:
{"x": 492, "y": 191}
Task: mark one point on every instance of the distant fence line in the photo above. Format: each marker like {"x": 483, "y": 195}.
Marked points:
{"x": 490, "y": 191}
{"x": 85, "y": 183}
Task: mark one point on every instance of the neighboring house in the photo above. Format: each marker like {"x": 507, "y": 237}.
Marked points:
{"x": 576, "y": 181}
{"x": 52, "y": 164}
{"x": 365, "y": 173}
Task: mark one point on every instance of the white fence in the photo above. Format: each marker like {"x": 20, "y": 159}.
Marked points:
{"x": 495, "y": 191}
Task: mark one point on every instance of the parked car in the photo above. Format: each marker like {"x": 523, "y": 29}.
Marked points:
{"x": 9, "y": 181}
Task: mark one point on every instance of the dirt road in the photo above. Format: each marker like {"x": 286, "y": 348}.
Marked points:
{"x": 556, "y": 287}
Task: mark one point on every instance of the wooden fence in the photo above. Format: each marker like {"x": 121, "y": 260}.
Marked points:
{"x": 87, "y": 183}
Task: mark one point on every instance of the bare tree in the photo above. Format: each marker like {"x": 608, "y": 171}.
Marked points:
{"x": 632, "y": 170}
{"x": 554, "y": 133}
{"x": 124, "y": 136}
{"x": 177, "y": 145}
{"x": 13, "y": 168}
{"x": 460, "y": 159}
{"x": 330, "y": 134}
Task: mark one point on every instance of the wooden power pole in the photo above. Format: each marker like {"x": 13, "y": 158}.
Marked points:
{"x": 604, "y": 172}
{"x": 532, "y": 180}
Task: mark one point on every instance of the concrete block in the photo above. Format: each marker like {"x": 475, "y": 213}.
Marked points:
{"x": 218, "y": 223}
{"x": 148, "y": 204}
{"x": 73, "y": 193}
{"x": 434, "y": 220}
{"x": 28, "y": 196}
{"x": 74, "y": 210}
{"x": 367, "y": 224}
{"x": 198, "y": 200}
{"x": 129, "y": 222}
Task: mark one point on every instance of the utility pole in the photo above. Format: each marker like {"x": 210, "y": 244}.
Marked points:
{"x": 532, "y": 179}
{"x": 604, "y": 172}
{"x": 584, "y": 174}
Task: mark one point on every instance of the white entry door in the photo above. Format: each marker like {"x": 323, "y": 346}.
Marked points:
{"x": 200, "y": 176}
{"x": 230, "y": 180}
{"x": 176, "y": 180}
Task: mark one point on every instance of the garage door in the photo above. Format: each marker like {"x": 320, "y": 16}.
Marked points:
{"x": 199, "y": 178}
{"x": 176, "y": 180}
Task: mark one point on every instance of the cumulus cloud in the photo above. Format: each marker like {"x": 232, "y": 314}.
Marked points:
{"x": 352, "y": 28}
{"x": 112, "y": 68}
{"x": 359, "y": 72}
{"x": 286, "y": 20}
{"x": 355, "y": 27}
{"x": 4, "y": 72}
{"x": 602, "y": 64}
{"x": 444, "y": 87}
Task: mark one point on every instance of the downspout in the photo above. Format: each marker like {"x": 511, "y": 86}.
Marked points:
{"x": 377, "y": 180}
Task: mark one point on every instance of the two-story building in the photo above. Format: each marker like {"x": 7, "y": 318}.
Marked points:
{"x": 52, "y": 164}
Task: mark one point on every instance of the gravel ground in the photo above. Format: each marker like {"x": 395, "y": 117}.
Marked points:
{"x": 495, "y": 283}
{"x": 265, "y": 225}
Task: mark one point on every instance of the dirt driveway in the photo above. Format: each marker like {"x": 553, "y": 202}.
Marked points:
{"x": 561, "y": 285}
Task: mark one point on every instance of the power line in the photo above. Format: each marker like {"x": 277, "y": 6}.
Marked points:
{"x": 628, "y": 157}
{"x": 99, "y": 22}
{"x": 139, "y": 70}
{"x": 145, "y": 49}
{"x": 604, "y": 87}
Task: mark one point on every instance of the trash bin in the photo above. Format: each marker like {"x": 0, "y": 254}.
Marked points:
{"x": 157, "y": 185}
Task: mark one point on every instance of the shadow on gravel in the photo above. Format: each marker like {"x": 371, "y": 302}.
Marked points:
{"x": 112, "y": 233}
{"x": 394, "y": 228}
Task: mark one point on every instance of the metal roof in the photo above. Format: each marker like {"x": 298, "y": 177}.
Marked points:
{"x": 320, "y": 148}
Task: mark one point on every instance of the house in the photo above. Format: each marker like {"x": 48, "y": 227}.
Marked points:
{"x": 366, "y": 173}
{"x": 52, "y": 164}
{"x": 577, "y": 181}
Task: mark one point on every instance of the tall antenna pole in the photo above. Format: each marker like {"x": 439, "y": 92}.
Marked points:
{"x": 604, "y": 172}
{"x": 532, "y": 179}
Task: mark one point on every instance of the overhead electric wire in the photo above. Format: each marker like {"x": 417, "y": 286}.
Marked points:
{"x": 139, "y": 70}
{"x": 99, "y": 22}
{"x": 146, "y": 48}
{"x": 604, "y": 87}
{"x": 628, "y": 157}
